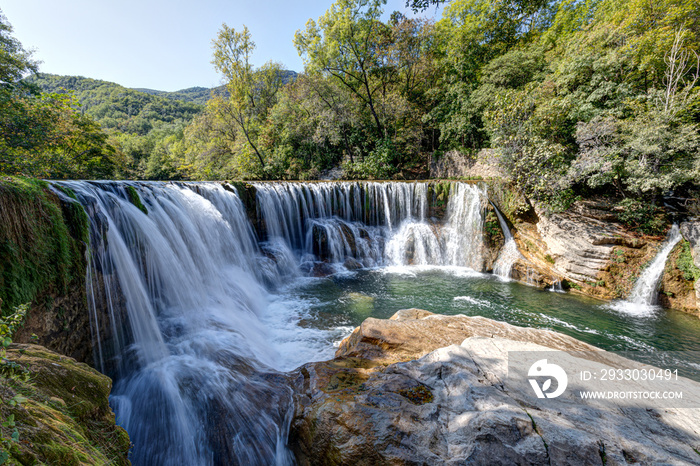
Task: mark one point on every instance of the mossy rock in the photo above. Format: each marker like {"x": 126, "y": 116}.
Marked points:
{"x": 66, "y": 418}
{"x": 42, "y": 242}
{"x": 135, "y": 199}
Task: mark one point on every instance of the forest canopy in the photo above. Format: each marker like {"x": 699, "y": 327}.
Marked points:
{"x": 573, "y": 97}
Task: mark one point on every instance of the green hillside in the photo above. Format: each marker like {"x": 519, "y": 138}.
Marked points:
{"x": 196, "y": 95}
{"x": 119, "y": 108}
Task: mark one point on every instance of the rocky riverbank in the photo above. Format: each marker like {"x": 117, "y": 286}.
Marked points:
{"x": 397, "y": 394}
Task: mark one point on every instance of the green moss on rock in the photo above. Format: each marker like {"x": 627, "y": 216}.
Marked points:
{"x": 39, "y": 254}
{"x": 66, "y": 418}
{"x": 135, "y": 199}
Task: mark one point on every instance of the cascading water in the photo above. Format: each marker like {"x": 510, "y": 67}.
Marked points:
{"x": 194, "y": 377}
{"x": 373, "y": 224}
{"x": 556, "y": 286}
{"x": 509, "y": 254}
{"x": 644, "y": 295}
{"x": 180, "y": 291}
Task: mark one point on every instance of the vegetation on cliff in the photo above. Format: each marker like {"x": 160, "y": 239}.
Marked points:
{"x": 40, "y": 255}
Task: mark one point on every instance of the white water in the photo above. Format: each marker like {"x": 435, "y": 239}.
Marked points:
{"x": 374, "y": 224}
{"x": 556, "y": 286}
{"x": 183, "y": 306}
{"x": 509, "y": 254}
{"x": 642, "y": 301}
{"x": 195, "y": 379}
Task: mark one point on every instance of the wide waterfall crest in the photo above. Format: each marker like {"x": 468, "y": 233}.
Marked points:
{"x": 372, "y": 223}
{"x": 180, "y": 297}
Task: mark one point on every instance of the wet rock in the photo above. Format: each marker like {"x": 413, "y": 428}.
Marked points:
{"x": 321, "y": 248}
{"x": 456, "y": 405}
{"x": 322, "y": 269}
{"x": 352, "y": 264}
{"x": 349, "y": 236}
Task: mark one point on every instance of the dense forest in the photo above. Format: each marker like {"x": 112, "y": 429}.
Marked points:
{"x": 574, "y": 97}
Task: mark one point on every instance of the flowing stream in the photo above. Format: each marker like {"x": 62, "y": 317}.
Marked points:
{"x": 642, "y": 301}
{"x": 199, "y": 309}
{"x": 508, "y": 254}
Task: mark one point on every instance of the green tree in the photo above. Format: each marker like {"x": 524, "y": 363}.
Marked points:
{"x": 252, "y": 92}
{"x": 346, "y": 43}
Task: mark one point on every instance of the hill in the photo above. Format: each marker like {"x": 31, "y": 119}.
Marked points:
{"x": 119, "y": 108}
{"x": 196, "y": 95}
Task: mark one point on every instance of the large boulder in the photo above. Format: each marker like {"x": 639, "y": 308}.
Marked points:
{"x": 65, "y": 417}
{"x": 456, "y": 404}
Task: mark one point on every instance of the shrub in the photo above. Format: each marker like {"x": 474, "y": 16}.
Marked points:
{"x": 641, "y": 216}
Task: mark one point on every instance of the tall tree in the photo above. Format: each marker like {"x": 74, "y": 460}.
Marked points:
{"x": 252, "y": 92}
{"x": 346, "y": 43}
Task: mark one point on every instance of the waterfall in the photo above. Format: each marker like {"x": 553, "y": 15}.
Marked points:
{"x": 509, "y": 252}
{"x": 371, "y": 223}
{"x": 556, "y": 286}
{"x": 644, "y": 295}
{"x": 464, "y": 227}
{"x": 182, "y": 287}
{"x": 179, "y": 290}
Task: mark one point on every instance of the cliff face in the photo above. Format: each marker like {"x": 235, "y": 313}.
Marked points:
{"x": 395, "y": 394}
{"x": 65, "y": 417}
{"x": 590, "y": 252}
{"x": 43, "y": 238}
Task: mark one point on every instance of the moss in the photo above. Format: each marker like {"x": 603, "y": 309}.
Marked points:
{"x": 39, "y": 253}
{"x": 135, "y": 199}
{"x": 66, "y": 418}
{"x": 438, "y": 196}
{"x": 685, "y": 263}
{"x": 418, "y": 395}
{"x": 549, "y": 259}
{"x": 67, "y": 191}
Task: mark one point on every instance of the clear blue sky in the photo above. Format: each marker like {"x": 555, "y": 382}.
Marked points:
{"x": 157, "y": 44}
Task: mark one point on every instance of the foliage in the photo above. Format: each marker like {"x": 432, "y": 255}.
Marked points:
{"x": 43, "y": 134}
{"x": 380, "y": 164}
{"x": 39, "y": 254}
{"x": 686, "y": 264}
{"x": 576, "y": 97}
{"x": 252, "y": 92}
{"x": 10, "y": 370}
{"x": 641, "y": 216}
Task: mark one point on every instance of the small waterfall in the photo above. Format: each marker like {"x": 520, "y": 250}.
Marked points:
{"x": 644, "y": 295}
{"x": 508, "y": 254}
{"x": 556, "y": 286}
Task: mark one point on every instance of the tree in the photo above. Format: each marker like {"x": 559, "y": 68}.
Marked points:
{"x": 15, "y": 61}
{"x": 42, "y": 134}
{"x": 252, "y": 92}
{"x": 346, "y": 44}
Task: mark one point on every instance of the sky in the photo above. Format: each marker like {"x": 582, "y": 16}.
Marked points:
{"x": 158, "y": 44}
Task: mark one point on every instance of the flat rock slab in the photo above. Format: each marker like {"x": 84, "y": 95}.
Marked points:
{"x": 457, "y": 404}
{"x": 412, "y": 333}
